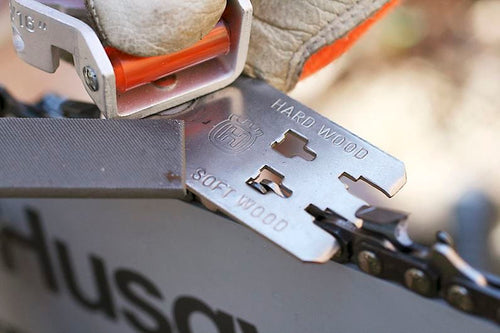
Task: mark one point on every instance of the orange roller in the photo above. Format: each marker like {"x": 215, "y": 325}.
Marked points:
{"x": 132, "y": 71}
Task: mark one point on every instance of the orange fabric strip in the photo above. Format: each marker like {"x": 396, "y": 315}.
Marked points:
{"x": 331, "y": 52}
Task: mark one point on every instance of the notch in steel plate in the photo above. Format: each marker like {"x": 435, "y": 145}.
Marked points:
{"x": 40, "y": 32}
{"x": 262, "y": 158}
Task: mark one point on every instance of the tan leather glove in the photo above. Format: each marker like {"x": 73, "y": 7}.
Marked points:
{"x": 287, "y": 35}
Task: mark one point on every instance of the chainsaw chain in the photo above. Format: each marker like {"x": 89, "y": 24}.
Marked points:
{"x": 382, "y": 248}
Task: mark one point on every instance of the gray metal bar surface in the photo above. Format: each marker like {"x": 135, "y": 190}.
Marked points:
{"x": 91, "y": 158}
{"x": 132, "y": 266}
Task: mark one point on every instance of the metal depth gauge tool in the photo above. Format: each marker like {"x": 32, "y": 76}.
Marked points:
{"x": 262, "y": 158}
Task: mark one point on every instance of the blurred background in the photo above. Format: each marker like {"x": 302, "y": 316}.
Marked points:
{"x": 423, "y": 85}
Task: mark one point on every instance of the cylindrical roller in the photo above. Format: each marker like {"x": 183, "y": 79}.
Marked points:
{"x": 132, "y": 71}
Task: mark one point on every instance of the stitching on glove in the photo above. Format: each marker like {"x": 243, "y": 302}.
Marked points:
{"x": 91, "y": 9}
{"x": 291, "y": 77}
{"x": 328, "y": 53}
{"x": 332, "y": 29}
{"x": 351, "y": 15}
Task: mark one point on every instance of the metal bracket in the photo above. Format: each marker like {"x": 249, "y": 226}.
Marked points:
{"x": 41, "y": 32}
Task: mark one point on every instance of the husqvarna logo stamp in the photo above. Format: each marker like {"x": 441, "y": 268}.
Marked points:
{"x": 235, "y": 134}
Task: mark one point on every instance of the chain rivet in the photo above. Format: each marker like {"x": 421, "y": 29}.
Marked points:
{"x": 460, "y": 298}
{"x": 90, "y": 78}
{"x": 418, "y": 281}
{"x": 445, "y": 238}
{"x": 369, "y": 262}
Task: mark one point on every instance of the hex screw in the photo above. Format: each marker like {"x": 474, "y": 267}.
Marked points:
{"x": 460, "y": 298}
{"x": 418, "y": 281}
{"x": 90, "y": 78}
{"x": 369, "y": 262}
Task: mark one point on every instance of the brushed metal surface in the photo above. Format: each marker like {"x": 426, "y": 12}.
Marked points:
{"x": 91, "y": 158}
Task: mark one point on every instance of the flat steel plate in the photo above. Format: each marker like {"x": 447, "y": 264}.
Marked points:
{"x": 260, "y": 157}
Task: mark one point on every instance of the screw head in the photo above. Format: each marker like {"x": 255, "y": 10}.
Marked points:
{"x": 418, "y": 281}
{"x": 90, "y": 78}
{"x": 460, "y": 298}
{"x": 369, "y": 262}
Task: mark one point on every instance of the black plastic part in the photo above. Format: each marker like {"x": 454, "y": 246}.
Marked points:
{"x": 74, "y": 109}
{"x": 10, "y": 107}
